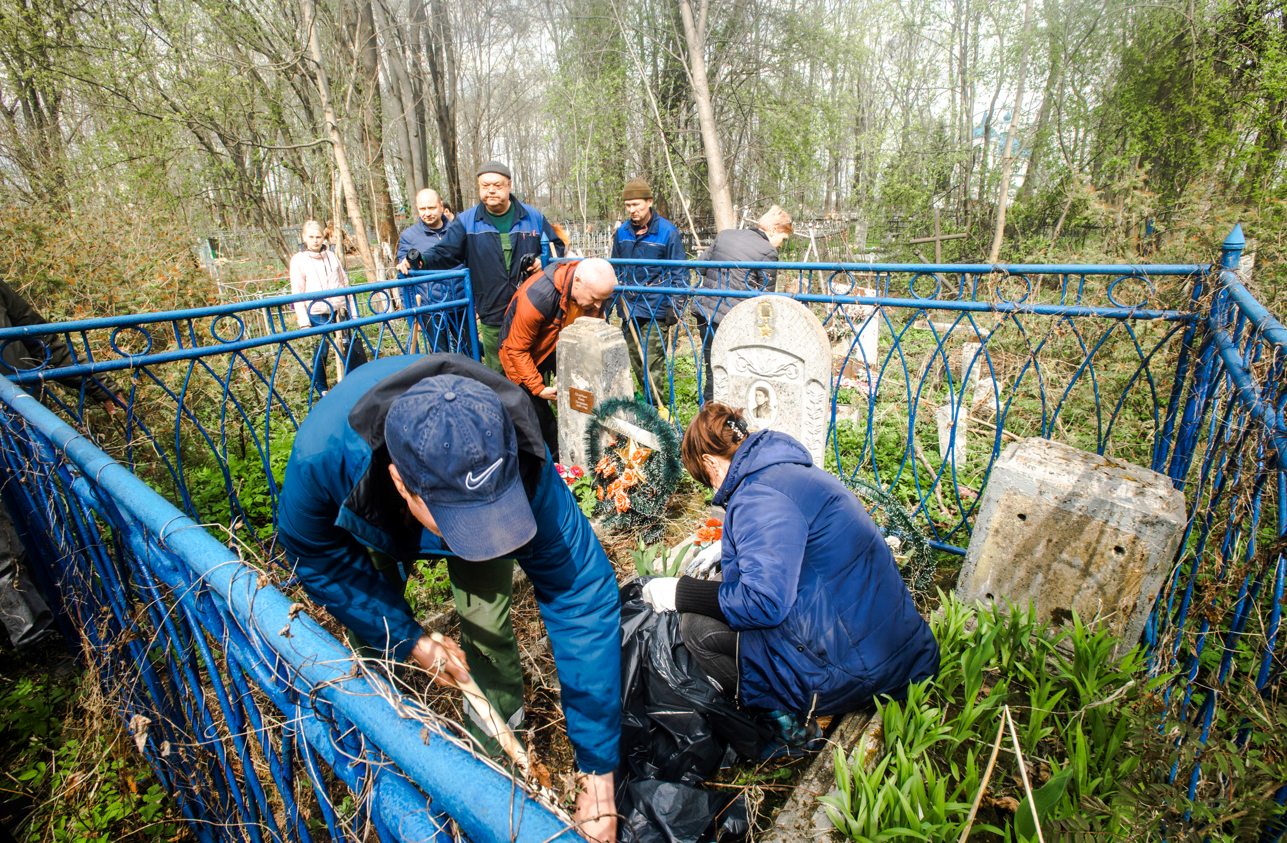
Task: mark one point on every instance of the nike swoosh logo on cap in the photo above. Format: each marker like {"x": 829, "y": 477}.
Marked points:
{"x": 472, "y": 482}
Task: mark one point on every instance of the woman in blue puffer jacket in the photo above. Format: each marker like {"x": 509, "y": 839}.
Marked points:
{"x": 812, "y": 616}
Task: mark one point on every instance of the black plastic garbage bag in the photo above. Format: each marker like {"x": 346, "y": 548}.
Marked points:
{"x": 677, "y": 728}
{"x": 664, "y": 812}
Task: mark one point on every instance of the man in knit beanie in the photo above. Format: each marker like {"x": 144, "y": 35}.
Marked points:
{"x": 646, "y": 235}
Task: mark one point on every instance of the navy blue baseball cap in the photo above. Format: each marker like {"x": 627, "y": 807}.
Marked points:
{"x": 455, "y": 447}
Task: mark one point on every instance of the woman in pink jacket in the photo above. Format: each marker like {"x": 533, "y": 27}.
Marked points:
{"x": 316, "y": 270}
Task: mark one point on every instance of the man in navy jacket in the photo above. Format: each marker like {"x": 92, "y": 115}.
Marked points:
{"x": 646, "y": 235}
{"x": 428, "y": 232}
{"x": 491, "y": 239}
{"x": 438, "y": 456}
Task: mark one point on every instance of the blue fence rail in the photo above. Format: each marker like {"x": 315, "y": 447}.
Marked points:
{"x": 1174, "y": 367}
{"x": 1082, "y": 354}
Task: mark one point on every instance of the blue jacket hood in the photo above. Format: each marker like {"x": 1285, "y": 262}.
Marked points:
{"x": 760, "y": 450}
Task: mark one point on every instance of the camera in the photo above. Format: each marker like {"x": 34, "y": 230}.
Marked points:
{"x": 528, "y": 264}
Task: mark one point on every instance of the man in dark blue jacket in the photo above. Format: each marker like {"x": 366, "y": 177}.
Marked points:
{"x": 438, "y": 456}
{"x": 414, "y": 242}
{"x": 647, "y": 316}
{"x": 491, "y": 239}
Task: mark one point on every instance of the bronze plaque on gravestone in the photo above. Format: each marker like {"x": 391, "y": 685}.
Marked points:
{"x": 579, "y": 399}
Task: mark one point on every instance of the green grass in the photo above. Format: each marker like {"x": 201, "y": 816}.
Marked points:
{"x": 1086, "y": 726}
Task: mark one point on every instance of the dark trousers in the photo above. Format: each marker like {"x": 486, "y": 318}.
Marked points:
{"x": 545, "y": 409}
{"x": 431, "y": 332}
{"x": 353, "y": 349}
{"x": 707, "y": 331}
{"x": 713, "y": 646}
{"x": 649, "y": 362}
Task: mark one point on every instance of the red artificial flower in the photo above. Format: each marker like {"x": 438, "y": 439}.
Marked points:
{"x": 578, "y": 472}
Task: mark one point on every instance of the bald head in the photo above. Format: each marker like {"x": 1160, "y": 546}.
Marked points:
{"x": 429, "y": 207}
{"x": 594, "y": 283}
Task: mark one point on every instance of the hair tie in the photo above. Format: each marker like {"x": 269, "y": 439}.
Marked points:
{"x": 738, "y": 426}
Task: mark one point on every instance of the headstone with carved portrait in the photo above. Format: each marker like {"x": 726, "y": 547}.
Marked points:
{"x": 772, "y": 359}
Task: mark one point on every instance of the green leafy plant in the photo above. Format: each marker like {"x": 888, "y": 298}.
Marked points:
{"x": 86, "y": 787}
{"x": 583, "y": 489}
{"x": 1085, "y": 719}
{"x": 429, "y": 586}
{"x": 658, "y": 560}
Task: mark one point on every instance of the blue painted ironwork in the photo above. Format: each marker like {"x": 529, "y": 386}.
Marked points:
{"x": 1174, "y": 367}
{"x": 1041, "y": 330}
{"x": 254, "y": 717}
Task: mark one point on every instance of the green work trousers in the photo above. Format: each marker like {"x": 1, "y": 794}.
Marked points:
{"x": 653, "y": 335}
{"x": 483, "y": 593}
{"x": 490, "y": 338}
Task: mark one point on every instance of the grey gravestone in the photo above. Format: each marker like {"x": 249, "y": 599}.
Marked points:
{"x": 953, "y": 424}
{"x": 974, "y": 364}
{"x": 1070, "y": 530}
{"x": 772, "y": 358}
{"x": 593, "y": 366}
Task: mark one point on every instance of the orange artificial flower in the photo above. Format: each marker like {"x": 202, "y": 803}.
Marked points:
{"x": 713, "y": 522}
{"x": 606, "y": 467}
{"x": 709, "y": 534}
{"x": 629, "y": 478}
{"x": 621, "y": 501}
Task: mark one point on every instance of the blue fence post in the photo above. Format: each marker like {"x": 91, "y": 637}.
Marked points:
{"x": 1231, "y": 249}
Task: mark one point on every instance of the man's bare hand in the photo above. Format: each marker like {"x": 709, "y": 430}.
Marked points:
{"x": 404, "y": 265}
{"x": 549, "y": 393}
{"x": 596, "y": 808}
{"x": 444, "y": 660}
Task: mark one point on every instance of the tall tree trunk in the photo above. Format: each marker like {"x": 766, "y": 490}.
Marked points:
{"x": 695, "y": 36}
{"x": 408, "y": 127}
{"x": 1269, "y": 147}
{"x": 309, "y": 11}
{"x": 1007, "y": 158}
{"x": 441, "y": 57}
{"x": 368, "y": 56}
{"x": 1041, "y": 132}
{"x": 33, "y": 33}
{"x": 987, "y": 132}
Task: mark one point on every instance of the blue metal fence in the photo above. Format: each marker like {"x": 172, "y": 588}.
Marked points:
{"x": 1082, "y": 354}
{"x": 1174, "y": 367}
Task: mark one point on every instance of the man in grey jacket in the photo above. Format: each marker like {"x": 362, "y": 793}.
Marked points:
{"x": 746, "y": 245}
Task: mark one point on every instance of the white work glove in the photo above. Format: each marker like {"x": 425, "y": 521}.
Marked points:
{"x": 659, "y": 593}
{"x": 706, "y": 561}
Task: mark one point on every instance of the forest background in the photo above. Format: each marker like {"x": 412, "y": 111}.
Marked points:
{"x": 132, "y": 129}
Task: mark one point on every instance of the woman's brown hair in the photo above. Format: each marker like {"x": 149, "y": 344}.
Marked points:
{"x": 717, "y": 430}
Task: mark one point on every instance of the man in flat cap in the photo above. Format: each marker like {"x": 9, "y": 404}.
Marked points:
{"x": 438, "y": 456}
{"x": 491, "y": 239}
{"x": 646, "y": 317}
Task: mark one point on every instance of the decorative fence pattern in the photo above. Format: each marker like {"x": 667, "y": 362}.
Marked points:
{"x": 240, "y": 695}
{"x": 1082, "y": 354}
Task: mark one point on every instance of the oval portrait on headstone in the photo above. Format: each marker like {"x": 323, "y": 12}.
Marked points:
{"x": 761, "y": 405}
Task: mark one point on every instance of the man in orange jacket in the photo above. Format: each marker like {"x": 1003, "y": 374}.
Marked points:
{"x": 547, "y": 302}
